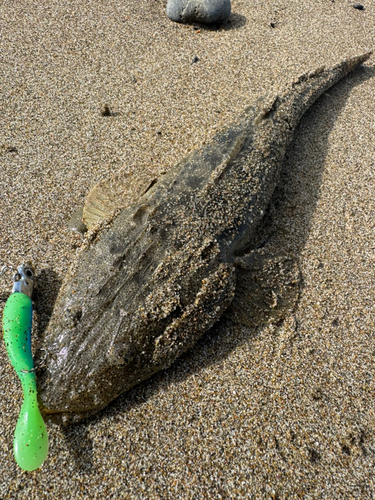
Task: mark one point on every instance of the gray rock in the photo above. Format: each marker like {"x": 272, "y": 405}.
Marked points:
{"x": 199, "y": 11}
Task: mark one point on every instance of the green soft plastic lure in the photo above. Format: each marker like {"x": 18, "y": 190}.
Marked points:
{"x": 30, "y": 437}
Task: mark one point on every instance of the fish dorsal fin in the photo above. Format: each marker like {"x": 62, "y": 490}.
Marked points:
{"x": 109, "y": 195}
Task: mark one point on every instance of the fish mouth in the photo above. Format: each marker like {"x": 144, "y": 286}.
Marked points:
{"x": 72, "y": 388}
{"x": 63, "y": 418}
{"x": 64, "y": 407}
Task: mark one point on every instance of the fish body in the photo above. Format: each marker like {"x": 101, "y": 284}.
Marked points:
{"x": 165, "y": 269}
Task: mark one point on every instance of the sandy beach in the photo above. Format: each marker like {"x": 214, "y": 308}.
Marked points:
{"x": 284, "y": 411}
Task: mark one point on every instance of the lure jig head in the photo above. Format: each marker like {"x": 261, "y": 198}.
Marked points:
{"x": 30, "y": 437}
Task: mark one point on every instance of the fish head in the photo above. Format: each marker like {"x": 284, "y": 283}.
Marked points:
{"x": 128, "y": 309}
{"x": 95, "y": 344}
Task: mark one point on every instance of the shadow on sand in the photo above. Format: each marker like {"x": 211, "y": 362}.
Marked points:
{"x": 235, "y": 22}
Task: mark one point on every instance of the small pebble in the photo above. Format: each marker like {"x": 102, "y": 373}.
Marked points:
{"x": 201, "y": 11}
{"x": 195, "y": 59}
{"x": 106, "y": 111}
{"x": 358, "y": 6}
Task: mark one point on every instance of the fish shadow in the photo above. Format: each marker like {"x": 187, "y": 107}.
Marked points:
{"x": 80, "y": 446}
{"x": 293, "y": 207}
{"x": 44, "y": 297}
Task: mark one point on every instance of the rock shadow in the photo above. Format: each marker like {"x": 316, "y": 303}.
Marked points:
{"x": 235, "y": 22}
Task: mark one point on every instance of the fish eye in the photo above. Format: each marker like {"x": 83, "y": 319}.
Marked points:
{"x": 29, "y": 273}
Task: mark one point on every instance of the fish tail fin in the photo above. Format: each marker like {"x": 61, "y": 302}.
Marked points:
{"x": 306, "y": 90}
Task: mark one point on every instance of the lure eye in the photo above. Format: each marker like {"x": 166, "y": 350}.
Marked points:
{"x": 29, "y": 273}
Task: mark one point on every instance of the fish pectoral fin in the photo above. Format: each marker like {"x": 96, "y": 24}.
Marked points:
{"x": 100, "y": 203}
{"x": 118, "y": 192}
{"x": 267, "y": 288}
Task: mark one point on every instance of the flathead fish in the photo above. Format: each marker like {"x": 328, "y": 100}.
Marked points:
{"x": 150, "y": 282}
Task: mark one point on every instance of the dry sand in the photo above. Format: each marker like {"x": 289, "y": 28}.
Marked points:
{"x": 285, "y": 411}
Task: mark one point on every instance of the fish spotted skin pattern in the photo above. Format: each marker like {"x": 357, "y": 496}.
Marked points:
{"x": 151, "y": 282}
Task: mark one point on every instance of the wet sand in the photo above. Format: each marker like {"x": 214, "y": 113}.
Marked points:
{"x": 282, "y": 411}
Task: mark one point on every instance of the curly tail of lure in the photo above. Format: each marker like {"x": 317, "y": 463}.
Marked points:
{"x": 30, "y": 437}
